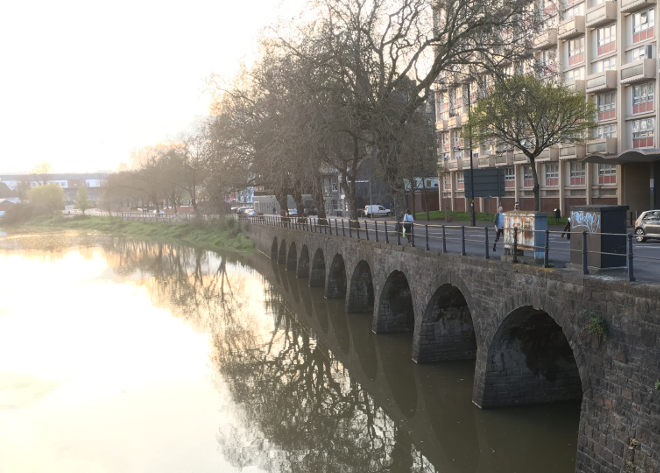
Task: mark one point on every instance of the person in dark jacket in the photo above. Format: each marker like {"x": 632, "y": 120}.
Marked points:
{"x": 499, "y": 226}
{"x": 567, "y": 229}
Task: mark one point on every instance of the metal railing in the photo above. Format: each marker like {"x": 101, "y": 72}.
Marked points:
{"x": 476, "y": 241}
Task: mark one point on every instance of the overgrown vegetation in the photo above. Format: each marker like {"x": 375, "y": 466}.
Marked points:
{"x": 597, "y": 326}
{"x": 223, "y": 235}
{"x": 40, "y": 201}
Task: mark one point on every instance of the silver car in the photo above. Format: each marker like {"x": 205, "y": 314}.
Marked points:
{"x": 647, "y": 225}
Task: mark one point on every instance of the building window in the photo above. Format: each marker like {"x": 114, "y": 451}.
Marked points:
{"x": 460, "y": 180}
{"x": 604, "y": 65}
{"x": 642, "y": 25}
{"x": 643, "y": 97}
{"x": 605, "y": 131}
{"x": 606, "y": 39}
{"x": 572, "y": 11}
{"x": 551, "y": 174}
{"x": 575, "y": 51}
{"x": 547, "y": 61}
{"x": 606, "y": 104}
{"x": 573, "y": 75}
{"x": 577, "y": 173}
{"x": 642, "y": 133}
{"x": 607, "y": 174}
{"x": 528, "y": 179}
{"x": 639, "y": 53}
{"x": 446, "y": 182}
{"x": 509, "y": 176}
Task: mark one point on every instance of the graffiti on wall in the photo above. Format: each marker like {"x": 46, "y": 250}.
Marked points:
{"x": 586, "y": 219}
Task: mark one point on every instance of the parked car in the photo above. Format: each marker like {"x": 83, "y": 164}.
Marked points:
{"x": 293, "y": 212}
{"x": 376, "y": 211}
{"x": 647, "y": 225}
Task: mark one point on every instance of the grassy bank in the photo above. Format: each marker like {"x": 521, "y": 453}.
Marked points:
{"x": 225, "y": 235}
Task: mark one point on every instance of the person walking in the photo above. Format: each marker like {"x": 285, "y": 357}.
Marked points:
{"x": 499, "y": 226}
{"x": 408, "y": 221}
{"x": 567, "y": 229}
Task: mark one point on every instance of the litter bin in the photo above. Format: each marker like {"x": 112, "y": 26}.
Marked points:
{"x": 604, "y": 251}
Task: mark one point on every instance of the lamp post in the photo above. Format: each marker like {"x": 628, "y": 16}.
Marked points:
{"x": 472, "y": 215}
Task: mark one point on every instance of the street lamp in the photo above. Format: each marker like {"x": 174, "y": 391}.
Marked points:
{"x": 472, "y": 215}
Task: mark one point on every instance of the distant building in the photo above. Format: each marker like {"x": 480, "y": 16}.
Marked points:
{"x": 68, "y": 182}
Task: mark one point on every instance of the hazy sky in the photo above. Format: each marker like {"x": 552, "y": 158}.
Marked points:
{"x": 84, "y": 82}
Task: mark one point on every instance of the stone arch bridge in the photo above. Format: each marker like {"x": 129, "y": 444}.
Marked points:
{"x": 533, "y": 332}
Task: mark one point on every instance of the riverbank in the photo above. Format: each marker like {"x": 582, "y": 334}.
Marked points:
{"x": 217, "y": 236}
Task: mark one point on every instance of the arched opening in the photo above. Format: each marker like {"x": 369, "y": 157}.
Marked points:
{"x": 361, "y": 292}
{"x": 529, "y": 362}
{"x": 302, "y": 271}
{"x": 446, "y": 332}
{"x": 273, "y": 250}
{"x": 291, "y": 258}
{"x": 281, "y": 259}
{"x": 395, "y": 308}
{"x": 317, "y": 275}
{"x": 336, "y": 279}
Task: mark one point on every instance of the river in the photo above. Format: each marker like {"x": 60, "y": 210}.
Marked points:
{"x": 126, "y": 356}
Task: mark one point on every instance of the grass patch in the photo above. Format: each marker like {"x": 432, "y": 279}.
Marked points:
{"x": 223, "y": 235}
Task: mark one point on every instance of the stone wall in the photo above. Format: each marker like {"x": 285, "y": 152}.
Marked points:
{"x": 530, "y": 328}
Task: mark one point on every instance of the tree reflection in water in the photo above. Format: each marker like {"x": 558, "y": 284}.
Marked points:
{"x": 301, "y": 410}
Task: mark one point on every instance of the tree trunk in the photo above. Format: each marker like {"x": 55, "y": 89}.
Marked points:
{"x": 537, "y": 197}
{"x": 317, "y": 192}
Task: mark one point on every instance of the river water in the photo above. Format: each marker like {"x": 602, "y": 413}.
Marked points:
{"x": 125, "y": 356}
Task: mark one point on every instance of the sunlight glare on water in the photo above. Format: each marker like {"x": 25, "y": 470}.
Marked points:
{"x": 95, "y": 378}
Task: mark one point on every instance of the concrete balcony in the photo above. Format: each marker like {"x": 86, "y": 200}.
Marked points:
{"x": 454, "y": 122}
{"x": 637, "y": 71}
{"x": 547, "y": 39}
{"x": 600, "y": 82}
{"x": 629, "y": 6}
{"x": 571, "y": 28}
{"x": 466, "y": 163}
{"x": 602, "y": 145}
{"x": 601, "y": 15}
{"x": 577, "y": 85}
{"x": 575, "y": 150}
{"x": 550, "y": 154}
{"x": 519, "y": 157}
{"x": 443, "y": 166}
{"x": 452, "y": 165}
{"x": 504, "y": 159}
{"x": 441, "y": 125}
{"x": 487, "y": 162}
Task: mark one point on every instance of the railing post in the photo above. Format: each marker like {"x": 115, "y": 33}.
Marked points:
{"x": 585, "y": 268}
{"x": 387, "y": 237}
{"x": 463, "y": 240}
{"x": 515, "y": 244}
{"x": 376, "y": 230}
{"x": 398, "y": 235}
{"x": 444, "y": 240}
{"x": 546, "y": 254}
{"x": 343, "y": 229}
{"x": 412, "y": 234}
{"x": 426, "y": 232}
{"x": 350, "y": 231}
{"x": 336, "y": 228}
{"x": 486, "y": 232}
{"x": 366, "y": 229}
{"x": 357, "y": 229}
{"x": 631, "y": 271}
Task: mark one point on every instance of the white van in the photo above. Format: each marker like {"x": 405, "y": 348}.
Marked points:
{"x": 376, "y": 211}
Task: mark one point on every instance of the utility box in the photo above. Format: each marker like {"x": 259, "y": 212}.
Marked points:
{"x": 601, "y": 222}
{"x": 531, "y": 231}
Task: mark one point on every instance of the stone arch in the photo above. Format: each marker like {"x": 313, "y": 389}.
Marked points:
{"x": 336, "y": 278}
{"x": 529, "y": 361}
{"x": 281, "y": 258}
{"x": 317, "y": 275}
{"x": 292, "y": 257}
{"x": 302, "y": 271}
{"x": 446, "y": 331}
{"x": 273, "y": 250}
{"x": 396, "y": 312}
{"x": 361, "y": 289}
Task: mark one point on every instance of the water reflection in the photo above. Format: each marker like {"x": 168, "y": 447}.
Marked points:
{"x": 302, "y": 386}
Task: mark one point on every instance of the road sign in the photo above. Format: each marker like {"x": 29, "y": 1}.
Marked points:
{"x": 488, "y": 182}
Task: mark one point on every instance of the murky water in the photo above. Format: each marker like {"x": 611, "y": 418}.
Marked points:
{"x": 120, "y": 356}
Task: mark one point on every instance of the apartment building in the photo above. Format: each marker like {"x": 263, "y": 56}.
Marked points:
{"x": 607, "y": 49}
